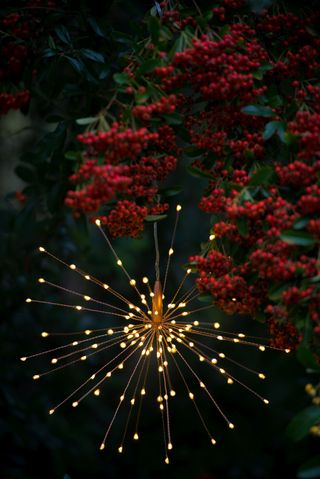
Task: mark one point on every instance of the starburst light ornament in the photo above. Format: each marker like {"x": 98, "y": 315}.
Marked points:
{"x": 154, "y": 332}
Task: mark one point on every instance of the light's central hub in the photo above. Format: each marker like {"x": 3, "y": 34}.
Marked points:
{"x": 157, "y": 304}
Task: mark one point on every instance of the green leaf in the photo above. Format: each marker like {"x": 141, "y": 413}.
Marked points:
{"x": 301, "y": 223}
{"x": 297, "y": 238}
{"x": 198, "y": 107}
{"x": 170, "y": 191}
{"x": 49, "y": 53}
{"x": 121, "y": 78}
{"x": 205, "y": 298}
{"x": 315, "y": 279}
{"x": 141, "y": 97}
{"x": 310, "y": 469}
{"x": 92, "y": 55}
{"x": 274, "y": 127}
{"x": 51, "y": 42}
{"x": 290, "y": 138}
{"x": 148, "y": 66}
{"x": 86, "y": 121}
{"x": 153, "y": 218}
{"x": 178, "y": 46}
{"x": 258, "y": 5}
{"x": 258, "y": 74}
{"x": 25, "y": 173}
{"x": 76, "y": 63}
{"x": 263, "y": 176}
{"x": 63, "y": 34}
{"x": 257, "y": 110}
{"x": 275, "y": 291}
{"x": 72, "y": 155}
{"x": 260, "y": 316}
{"x": 243, "y": 227}
{"x": 173, "y": 119}
{"x": 300, "y": 425}
{"x": 154, "y": 29}
{"x": 197, "y": 172}
{"x": 96, "y": 27}
{"x": 306, "y": 357}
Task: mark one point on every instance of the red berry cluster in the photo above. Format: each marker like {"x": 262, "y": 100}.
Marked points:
{"x": 124, "y": 176}
{"x": 165, "y": 105}
{"x": 17, "y": 52}
{"x": 13, "y": 101}
{"x": 263, "y": 188}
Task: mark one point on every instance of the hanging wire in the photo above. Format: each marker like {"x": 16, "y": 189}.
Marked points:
{"x": 156, "y": 245}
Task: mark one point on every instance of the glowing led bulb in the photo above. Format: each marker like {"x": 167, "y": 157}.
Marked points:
{"x": 44, "y": 334}
{"x": 136, "y": 436}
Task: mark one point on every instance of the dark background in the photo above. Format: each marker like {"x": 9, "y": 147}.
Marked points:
{"x": 66, "y": 445}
